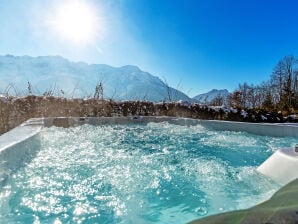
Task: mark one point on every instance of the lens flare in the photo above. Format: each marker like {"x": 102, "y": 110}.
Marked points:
{"x": 76, "y": 21}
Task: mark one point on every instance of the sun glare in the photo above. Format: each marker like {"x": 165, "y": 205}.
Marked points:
{"x": 76, "y": 21}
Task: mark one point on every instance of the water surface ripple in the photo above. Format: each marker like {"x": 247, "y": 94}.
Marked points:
{"x": 154, "y": 173}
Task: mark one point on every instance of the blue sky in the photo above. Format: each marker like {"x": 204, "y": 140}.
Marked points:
{"x": 194, "y": 44}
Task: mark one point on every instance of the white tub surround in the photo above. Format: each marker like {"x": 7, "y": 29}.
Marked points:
{"x": 18, "y": 147}
{"x": 282, "y": 166}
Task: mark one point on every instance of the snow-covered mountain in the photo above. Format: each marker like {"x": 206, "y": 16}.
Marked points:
{"x": 209, "y": 96}
{"x": 78, "y": 79}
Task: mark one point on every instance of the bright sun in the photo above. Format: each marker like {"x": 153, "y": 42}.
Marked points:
{"x": 76, "y": 21}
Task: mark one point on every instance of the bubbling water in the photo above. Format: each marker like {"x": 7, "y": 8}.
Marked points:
{"x": 154, "y": 173}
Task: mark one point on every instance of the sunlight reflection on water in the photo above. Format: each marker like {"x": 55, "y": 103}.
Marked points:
{"x": 154, "y": 173}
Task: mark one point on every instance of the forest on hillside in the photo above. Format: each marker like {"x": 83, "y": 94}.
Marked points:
{"x": 280, "y": 92}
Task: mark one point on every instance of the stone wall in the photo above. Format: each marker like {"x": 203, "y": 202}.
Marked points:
{"x": 14, "y": 111}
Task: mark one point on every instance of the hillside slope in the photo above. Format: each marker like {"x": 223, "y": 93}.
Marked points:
{"x": 61, "y": 77}
{"x": 209, "y": 96}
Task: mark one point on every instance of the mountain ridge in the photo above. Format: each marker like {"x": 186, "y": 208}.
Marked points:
{"x": 79, "y": 79}
{"x": 211, "y": 95}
